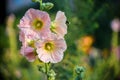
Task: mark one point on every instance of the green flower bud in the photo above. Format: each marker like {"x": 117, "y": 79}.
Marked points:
{"x": 80, "y": 72}
{"x": 51, "y": 73}
{"x": 47, "y": 6}
{"x": 41, "y": 68}
{"x": 79, "y": 69}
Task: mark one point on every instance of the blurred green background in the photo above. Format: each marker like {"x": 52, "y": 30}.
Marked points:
{"x": 91, "y": 41}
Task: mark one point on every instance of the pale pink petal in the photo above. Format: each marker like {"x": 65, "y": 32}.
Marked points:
{"x": 61, "y": 44}
{"x": 24, "y": 22}
{"x": 30, "y": 34}
{"x": 39, "y": 44}
{"x": 60, "y": 24}
{"x": 60, "y": 17}
{"x": 57, "y": 56}
{"x": 61, "y": 31}
{"x": 28, "y": 52}
{"x": 43, "y": 55}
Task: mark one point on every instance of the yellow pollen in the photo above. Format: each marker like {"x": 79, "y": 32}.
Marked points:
{"x": 37, "y": 24}
{"x": 49, "y": 46}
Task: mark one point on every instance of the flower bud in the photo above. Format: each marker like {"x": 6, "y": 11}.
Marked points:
{"x": 41, "y": 69}
{"x": 79, "y": 69}
{"x": 51, "y": 75}
{"x": 47, "y": 6}
{"x": 80, "y": 72}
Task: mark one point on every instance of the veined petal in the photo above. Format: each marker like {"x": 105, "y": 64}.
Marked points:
{"x": 60, "y": 17}
{"x": 57, "y": 56}
{"x": 28, "y": 52}
{"x": 61, "y": 44}
{"x": 43, "y": 55}
{"x": 59, "y": 26}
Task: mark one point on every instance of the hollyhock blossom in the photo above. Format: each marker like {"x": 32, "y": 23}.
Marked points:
{"x": 51, "y": 49}
{"x": 115, "y": 25}
{"x": 28, "y": 48}
{"x": 36, "y": 20}
{"x": 59, "y": 26}
{"x": 28, "y": 37}
{"x": 29, "y": 53}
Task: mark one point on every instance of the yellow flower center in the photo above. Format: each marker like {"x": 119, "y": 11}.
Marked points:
{"x": 49, "y": 46}
{"x": 31, "y": 43}
{"x": 53, "y": 27}
{"x": 37, "y": 24}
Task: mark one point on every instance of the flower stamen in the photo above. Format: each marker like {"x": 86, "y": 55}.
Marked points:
{"x": 37, "y": 24}
{"x": 49, "y": 46}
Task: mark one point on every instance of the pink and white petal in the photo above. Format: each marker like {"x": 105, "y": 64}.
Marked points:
{"x": 60, "y": 17}
{"x": 60, "y": 24}
{"x": 56, "y": 56}
{"x": 31, "y": 13}
{"x": 61, "y": 44}
{"x": 28, "y": 52}
{"x": 30, "y": 34}
{"x": 24, "y": 22}
{"x": 44, "y": 34}
{"x": 61, "y": 31}
{"x": 43, "y": 55}
{"x": 44, "y": 16}
{"x": 39, "y": 44}
{"x": 30, "y": 57}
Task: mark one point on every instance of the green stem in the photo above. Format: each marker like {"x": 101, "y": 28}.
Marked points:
{"x": 41, "y": 5}
{"x": 47, "y": 68}
{"x": 115, "y": 39}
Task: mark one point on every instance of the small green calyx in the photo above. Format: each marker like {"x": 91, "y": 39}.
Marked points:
{"x": 49, "y": 46}
{"x": 47, "y": 6}
{"x": 51, "y": 75}
{"x": 37, "y": 24}
{"x": 53, "y": 28}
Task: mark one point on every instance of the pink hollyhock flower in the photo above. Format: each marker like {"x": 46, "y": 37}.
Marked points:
{"x": 59, "y": 25}
{"x": 36, "y": 20}
{"x": 51, "y": 50}
{"x": 28, "y": 37}
{"x": 29, "y": 53}
{"x": 28, "y": 47}
{"x": 115, "y": 25}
